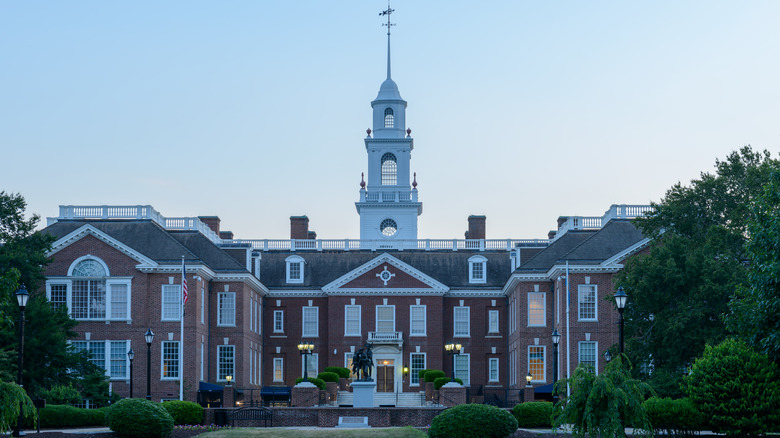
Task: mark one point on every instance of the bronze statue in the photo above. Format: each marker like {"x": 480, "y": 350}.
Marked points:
{"x": 363, "y": 363}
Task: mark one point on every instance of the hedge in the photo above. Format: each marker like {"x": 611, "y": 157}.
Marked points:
{"x": 432, "y": 375}
{"x": 674, "y": 417}
{"x": 328, "y": 376}
{"x": 342, "y": 372}
{"x": 441, "y": 381}
{"x": 533, "y": 414}
{"x": 69, "y": 416}
{"x": 319, "y": 383}
{"x": 184, "y": 412}
{"x": 472, "y": 420}
{"x": 139, "y": 418}
{"x": 421, "y": 374}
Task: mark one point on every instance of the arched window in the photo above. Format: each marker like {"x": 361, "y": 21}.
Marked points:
{"x": 89, "y": 289}
{"x": 295, "y": 269}
{"x": 389, "y": 169}
{"x": 388, "y": 227}
{"x": 388, "y": 117}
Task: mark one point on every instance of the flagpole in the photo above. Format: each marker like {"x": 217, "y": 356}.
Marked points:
{"x": 181, "y": 334}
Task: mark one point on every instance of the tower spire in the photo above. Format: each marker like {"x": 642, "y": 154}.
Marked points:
{"x": 387, "y": 12}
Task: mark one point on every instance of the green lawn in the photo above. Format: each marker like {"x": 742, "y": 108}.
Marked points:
{"x": 394, "y": 432}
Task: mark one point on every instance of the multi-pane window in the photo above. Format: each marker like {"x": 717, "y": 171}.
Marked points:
{"x": 99, "y": 351}
{"x": 492, "y": 321}
{"x": 462, "y": 371}
{"x": 388, "y": 227}
{"x": 351, "y": 320}
{"x": 536, "y": 311}
{"x": 278, "y": 321}
{"x": 493, "y": 369}
{"x": 587, "y": 302}
{"x": 171, "y": 302}
{"x": 417, "y": 362}
{"x": 226, "y": 356}
{"x": 202, "y": 306}
{"x": 170, "y": 359}
{"x": 389, "y": 117}
{"x": 536, "y": 363}
{"x": 385, "y": 319}
{"x": 310, "y": 321}
{"x": 348, "y": 360}
{"x": 312, "y": 361}
{"x": 461, "y": 318}
{"x": 202, "y": 355}
{"x": 58, "y": 295}
{"x": 417, "y": 320}
{"x": 294, "y": 269}
{"x": 226, "y": 309}
{"x": 278, "y": 369}
{"x": 389, "y": 169}
{"x": 588, "y": 353}
{"x": 118, "y": 300}
{"x": 89, "y": 299}
{"x": 477, "y": 266}
{"x": 118, "y": 358}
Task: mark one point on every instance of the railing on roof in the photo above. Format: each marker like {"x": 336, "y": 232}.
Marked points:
{"x": 615, "y": 211}
{"x": 374, "y": 245}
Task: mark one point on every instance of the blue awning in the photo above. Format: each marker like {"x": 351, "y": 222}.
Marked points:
{"x": 544, "y": 389}
{"x": 205, "y": 386}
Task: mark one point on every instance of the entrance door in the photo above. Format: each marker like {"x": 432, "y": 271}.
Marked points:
{"x": 385, "y": 378}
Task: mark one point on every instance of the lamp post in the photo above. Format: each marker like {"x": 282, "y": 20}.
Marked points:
{"x": 453, "y": 350}
{"x": 528, "y": 379}
{"x": 305, "y": 348}
{"x": 149, "y": 336}
{"x": 620, "y": 301}
{"x": 131, "y": 356}
{"x": 21, "y": 298}
{"x": 556, "y": 339}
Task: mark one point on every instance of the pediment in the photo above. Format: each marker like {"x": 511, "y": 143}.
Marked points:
{"x": 385, "y": 274}
{"x": 89, "y": 230}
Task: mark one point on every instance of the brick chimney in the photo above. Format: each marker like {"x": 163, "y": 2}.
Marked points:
{"x": 299, "y": 227}
{"x": 476, "y": 227}
{"x": 227, "y": 235}
{"x": 551, "y": 234}
{"x": 211, "y": 221}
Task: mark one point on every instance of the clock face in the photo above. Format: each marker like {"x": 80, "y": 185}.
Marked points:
{"x": 388, "y": 227}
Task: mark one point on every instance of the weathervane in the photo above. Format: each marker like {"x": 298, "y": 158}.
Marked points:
{"x": 387, "y": 12}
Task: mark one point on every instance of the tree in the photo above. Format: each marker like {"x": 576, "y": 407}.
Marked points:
{"x": 737, "y": 387}
{"x": 755, "y": 309}
{"x": 679, "y": 291}
{"x": 606, "y": 404}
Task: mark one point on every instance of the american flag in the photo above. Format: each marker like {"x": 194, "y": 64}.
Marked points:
{"x": 184, "y": 281}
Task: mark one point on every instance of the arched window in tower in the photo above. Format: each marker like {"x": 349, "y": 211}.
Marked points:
{"x": 389, "y": 169}
{"x": 388, "y": 117}
{"x": 388, "y": 227}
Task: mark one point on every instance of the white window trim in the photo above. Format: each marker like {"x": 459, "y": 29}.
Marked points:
{"x": 425, "y": 320}
{"x": 294, "y": 260}
{"x": 220, "y": 322}
{"x": 202, "y": 306}
{"x": 425, "y": 364}
{"x": 595, "y": 302}
{"x": 107, "y": 356}
{"x": 278, "y": 365}
{"x": 467, "y": 380}
{"x": 544, "y": 308}
{"x": 474, "y": 260}
{"x": 490, "y": 369}
{"x": 162, "y": 302}
{"x": 162, "y": 360}
{"x": 544, "y": 362}
{"x": 233, "y": 371}
{"x": 316, "y": 333}
{"x": 498, "y": 321}
{"x": 455, "y": 325}
{"x": 280, "y": 314}
{"x": 376, "y": 319}
{"x": 359, "y": 320}
{"x": 595, "y": 354}
{"x": 315, "y": 361}
{"x": 110, "y": 281}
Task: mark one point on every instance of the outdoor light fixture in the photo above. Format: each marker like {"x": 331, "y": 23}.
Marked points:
{"x": 620, "y": 301}
{"x": 21, "y": 298}
{"x": 453, "y": 350}
{"x": 556, "y": 339}
{"x": 229, "y": 379}
{"x": 305, "y": 349}
{"x": 131, "y": 356}
{"x": 406, "y": 372}
{"x": 149, "y": 336}
{"x": 528, "y": 379}
{"x": 607, "y": 356}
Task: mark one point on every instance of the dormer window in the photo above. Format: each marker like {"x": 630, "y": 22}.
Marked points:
{"x": 388, "y": 118}
{"x": 389, "y": 170}
{"x": 294, "y": 269}
{"x": 477, "y": 269}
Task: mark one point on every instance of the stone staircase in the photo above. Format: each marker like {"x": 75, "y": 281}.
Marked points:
{"x": 403, "y": 399}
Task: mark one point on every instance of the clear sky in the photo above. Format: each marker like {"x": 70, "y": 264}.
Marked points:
{"x": 256, "y": 110}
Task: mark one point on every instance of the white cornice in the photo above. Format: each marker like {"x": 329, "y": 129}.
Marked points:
{"x": 289, "y": 293}
{"x": 87, "y": 230}
{"x": 335, "y": 287}
{"x": 487, "y": 293}
{"x": 197, "y": 269}
{"x": 248, "y": 279}
{"x": 622, "y": 255}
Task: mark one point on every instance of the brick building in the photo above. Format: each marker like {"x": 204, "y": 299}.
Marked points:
{"x": 118, "y": 270}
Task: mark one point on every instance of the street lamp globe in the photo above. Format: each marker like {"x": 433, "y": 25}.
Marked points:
{"x": 21, "y": 297}
{"x": 621, "y": 298}
{"x": 149, "y": 336}
{"x": 556, "y": 337}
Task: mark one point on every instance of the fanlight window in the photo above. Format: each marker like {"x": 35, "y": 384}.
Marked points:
{"x": 389, "y": 118}
{"x": 89, "y": 268}
{"x": 389, "y": 170}
{"x": 388, "y": 227}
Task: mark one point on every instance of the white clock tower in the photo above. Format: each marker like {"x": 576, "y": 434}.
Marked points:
{"x": 388, "y": 205}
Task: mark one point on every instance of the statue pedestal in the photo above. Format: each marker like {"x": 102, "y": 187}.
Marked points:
{"x": 363, "y": 394}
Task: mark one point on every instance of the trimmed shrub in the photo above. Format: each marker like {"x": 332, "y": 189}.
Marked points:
{"x": 319, "y": 383}
{"x": 441, "y": 381}
{"x": 62, "y": 395}
{"x": 328, "y": 376}
{"x": 674, "y": 417}
{"x": 342, "y": 372}
{"x": 533, "y": 414}
{"x": 473, "y": 420}
{"x": 421, "y": 374}
{"x": 138, "y": 418}
{"x": 69, "y": 416}
{"x": 432, "y": 375}
{"x": 737, "y": 387}
{"x": 184, "y": 412}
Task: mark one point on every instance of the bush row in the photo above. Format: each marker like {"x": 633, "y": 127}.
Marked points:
{"x": 533, "y": 414}
{"x": 319, "y": 383}
{"x": 69, "y": 416}
{"x": 472, "y": 420}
